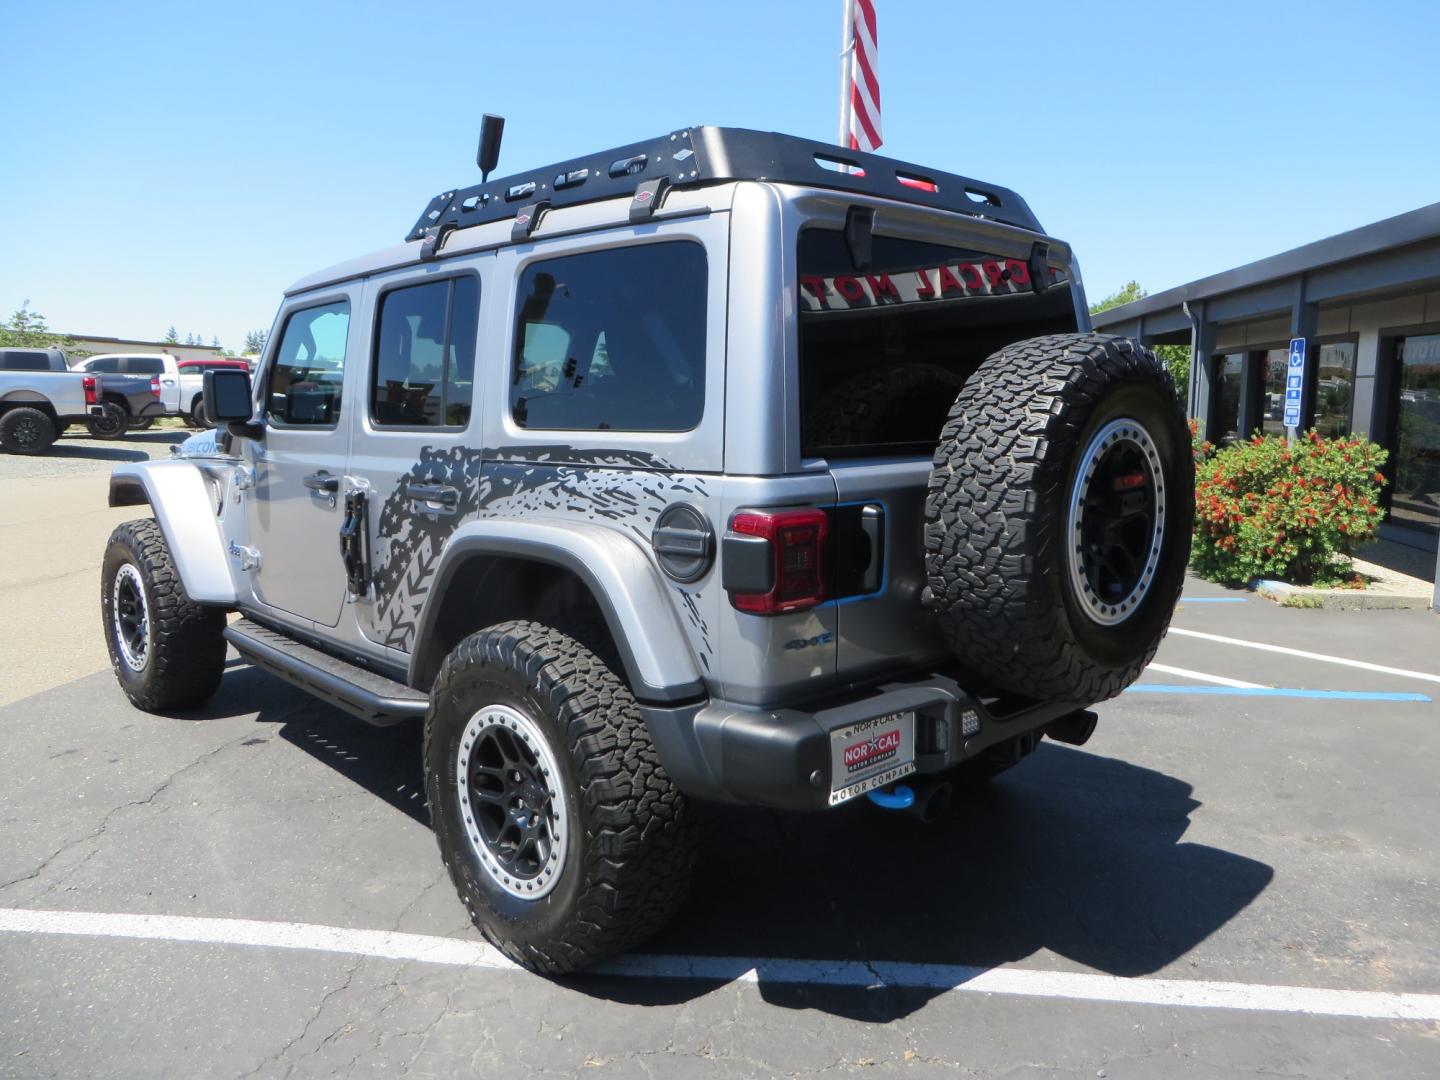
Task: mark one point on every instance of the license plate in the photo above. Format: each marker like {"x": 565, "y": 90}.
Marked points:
{"x": 871, "y": 754}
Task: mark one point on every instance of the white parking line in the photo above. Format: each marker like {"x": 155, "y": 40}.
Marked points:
{"x": 1406, "y": 673}
{"x": 1200, "y": 676}
{"x": 946, "y": 978}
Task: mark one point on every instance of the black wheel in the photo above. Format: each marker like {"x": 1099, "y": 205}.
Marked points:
{"x": 888, "y": 405}
{"x": 112, "y": 422}
{"x": 167, "y": 651}
{"x": 564, "y": 837}
{"x": 145, "y": 423}
{"x": 197, "y": 417}
{"x": 1058, "y": 516}
{"x": 25, "y": 430}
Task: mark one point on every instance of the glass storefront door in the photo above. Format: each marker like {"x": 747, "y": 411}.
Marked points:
{"x": 1334, "y": 373}
{"x": 1272, "y": 390}
{"x": 1225, "y": 416}
{"x": 1415, "y": 462}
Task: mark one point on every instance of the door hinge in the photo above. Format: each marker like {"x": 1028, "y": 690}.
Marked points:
{"x": 355, "y": 544}
{"x": 248, "y": 556}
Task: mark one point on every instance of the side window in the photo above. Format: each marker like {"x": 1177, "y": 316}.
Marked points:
{"x": 424, "y": 369}
{"x": 25, "y": 361}
{"x": 612, "y": 340}
{"x": 145, "y": 365}
{"x": 106, "y": 365}
{"x": 309, "y": 367}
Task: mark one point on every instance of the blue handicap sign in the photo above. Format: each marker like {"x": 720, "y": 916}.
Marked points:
{"x": 1295, "y": 382}
{"x": 1297, "y": 352}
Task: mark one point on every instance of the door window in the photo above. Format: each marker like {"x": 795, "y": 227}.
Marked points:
{"x": 424, "y": 369}
{"x": 1415, "y": 499}
{"x": 1334, "y": 374}
{"x": 308, "y": 368}
{"x": 145, "y": 365}
{"x": 612, "y": 340}
{"x": 106, "y": 365}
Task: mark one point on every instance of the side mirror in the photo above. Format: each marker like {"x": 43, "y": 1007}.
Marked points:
{"x": 491, "y": 129}
{"x": 228, "y": 402}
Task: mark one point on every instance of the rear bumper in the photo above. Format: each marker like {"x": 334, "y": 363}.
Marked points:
{"x": 782, "y": 757}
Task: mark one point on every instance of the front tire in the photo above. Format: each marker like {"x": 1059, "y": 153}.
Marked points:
{"x": 564, "y": 837}
{"x": 27, "y": 431}
{"x": 167, "y": 651}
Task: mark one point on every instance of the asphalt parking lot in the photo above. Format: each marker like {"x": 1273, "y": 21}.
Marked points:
{"x": 1227, "y": 879}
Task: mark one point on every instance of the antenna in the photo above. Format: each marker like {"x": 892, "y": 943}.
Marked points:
{"x": 492, "y": 129}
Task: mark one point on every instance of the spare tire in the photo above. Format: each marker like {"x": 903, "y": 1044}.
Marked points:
{"x": 1058, "y": 517}
{"x": 884, "y": 405}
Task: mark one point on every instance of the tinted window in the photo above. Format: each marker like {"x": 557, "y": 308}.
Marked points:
{"x": 885, "y": 348}
{"x": 106, "y": 365}
{"x": 309, "y": 366}
{"x": 612, "y": 340}
{"x": 18, "y": 360}
{"x": 145, "y": 365}
{"x": 425, "y": 354}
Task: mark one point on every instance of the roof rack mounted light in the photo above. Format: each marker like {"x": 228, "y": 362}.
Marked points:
{"x": 694, "y": 157}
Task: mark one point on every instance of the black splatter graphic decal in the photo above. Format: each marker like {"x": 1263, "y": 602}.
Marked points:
{"x": 626, "y": 488}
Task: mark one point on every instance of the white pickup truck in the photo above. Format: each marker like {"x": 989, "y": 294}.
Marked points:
{"x": 181, "y": 381}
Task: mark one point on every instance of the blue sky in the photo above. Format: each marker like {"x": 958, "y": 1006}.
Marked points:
{"x": 182, "y": 163}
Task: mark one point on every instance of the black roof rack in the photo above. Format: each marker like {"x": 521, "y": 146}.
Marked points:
{"x": 693, "y": 157}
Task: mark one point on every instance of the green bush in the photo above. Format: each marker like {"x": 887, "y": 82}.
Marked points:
{"x": 1297, "y": 513}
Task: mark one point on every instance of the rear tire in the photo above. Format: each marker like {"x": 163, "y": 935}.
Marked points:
{"x": 167, "y": 651}
{"x": 1058, "y": 516}
{"x": 112, "y": 423}
{"x": 25, "y": 430}
{"x": 197, "y": 418}
{"x": 566, "y": 841}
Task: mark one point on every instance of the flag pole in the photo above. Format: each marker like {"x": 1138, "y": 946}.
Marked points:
{"x": 847, "y": 58}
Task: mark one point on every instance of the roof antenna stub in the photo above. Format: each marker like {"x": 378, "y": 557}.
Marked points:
{"x": 492, "y": 130}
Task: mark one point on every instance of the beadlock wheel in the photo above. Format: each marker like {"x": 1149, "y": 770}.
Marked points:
{"x": 1116, "y": 521}
{"x": 131, "y": 618}
{"x": 512, "y": 802}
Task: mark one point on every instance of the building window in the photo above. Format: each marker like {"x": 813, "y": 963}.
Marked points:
{"x": 1272, "y": 389}
{"x": 1333, "y": 369}
{"x": 1225, "y": 416}
{"x": 1415, "y": 464}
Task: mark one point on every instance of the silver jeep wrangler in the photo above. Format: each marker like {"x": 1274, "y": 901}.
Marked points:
{"x": 724, "y": 466}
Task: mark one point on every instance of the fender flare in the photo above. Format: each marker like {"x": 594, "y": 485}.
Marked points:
{"x": 637, "y": 606}
{"x": 180, "y": 496}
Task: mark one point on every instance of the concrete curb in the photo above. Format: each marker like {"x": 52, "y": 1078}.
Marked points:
{"x": 1287, "y": 595}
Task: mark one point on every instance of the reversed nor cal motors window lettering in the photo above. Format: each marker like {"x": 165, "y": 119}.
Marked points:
{"x": 309, "y": 367}
{"x": 885, "y": 347}
{"x": 424, "y": 369}
{"x": 612, "y": 340}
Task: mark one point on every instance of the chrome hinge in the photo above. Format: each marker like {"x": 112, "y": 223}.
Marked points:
{"x": 248, "y": 556}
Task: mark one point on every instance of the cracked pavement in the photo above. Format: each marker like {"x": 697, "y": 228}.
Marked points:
{"x": 1282, "y": 842}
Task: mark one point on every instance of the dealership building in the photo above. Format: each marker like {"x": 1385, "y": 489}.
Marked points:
{"x": 1367, "y": 303}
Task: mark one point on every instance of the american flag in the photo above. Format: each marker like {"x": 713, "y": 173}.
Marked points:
{"x": 860, "y": 114}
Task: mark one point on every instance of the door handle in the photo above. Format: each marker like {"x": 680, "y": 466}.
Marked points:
{"x": 444, "y": 494}
{"x": 323, "y": 481}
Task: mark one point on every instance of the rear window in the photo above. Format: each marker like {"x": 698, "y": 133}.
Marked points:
{"x": 612, "y": 340}
{"x": 885, "y": 349}
{"x": 24, "y": 360}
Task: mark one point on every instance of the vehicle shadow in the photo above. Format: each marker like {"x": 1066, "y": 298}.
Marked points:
{"x": 1072, "y": 852}
{"x": 384, "y": 761}
{"x": 91, "y": 452}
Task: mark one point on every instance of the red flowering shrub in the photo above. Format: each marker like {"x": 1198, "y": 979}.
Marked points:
{"x": 1199, "y": 448}
{"x": 1266, "y": 509}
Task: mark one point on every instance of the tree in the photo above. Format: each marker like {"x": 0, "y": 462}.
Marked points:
{"x": 255, "y": 342}
{"x": 214, "y": 342}
{"x": 189, "y": 339}
{"x": 26, "y": 329}
{"x": 171, "y": 337}
{"x": 1175, "y": 357}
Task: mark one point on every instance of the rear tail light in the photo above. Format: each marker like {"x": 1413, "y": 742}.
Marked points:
{"x": 92, "y": 390}
{"x": 155, "y": 385}
{"x": 797, "y": 553}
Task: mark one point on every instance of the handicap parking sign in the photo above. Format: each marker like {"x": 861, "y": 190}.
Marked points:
{"x": 1294, "y": 382}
